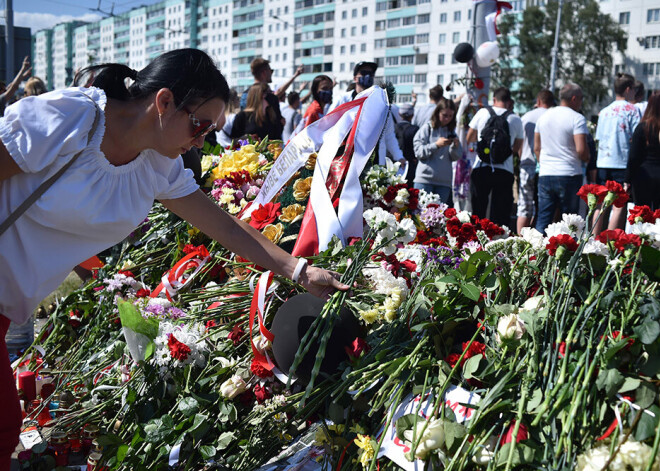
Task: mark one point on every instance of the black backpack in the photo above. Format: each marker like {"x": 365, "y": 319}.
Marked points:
{"x": 494, "y": 147}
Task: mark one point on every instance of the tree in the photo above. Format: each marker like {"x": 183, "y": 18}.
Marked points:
{"x": 587, "y": 41}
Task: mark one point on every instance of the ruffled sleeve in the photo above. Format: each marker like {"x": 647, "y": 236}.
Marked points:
{"x": 171, "y": 179}
{"x": 37, "y": 130}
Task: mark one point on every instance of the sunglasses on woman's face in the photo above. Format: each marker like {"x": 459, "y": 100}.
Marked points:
{"x": 199, "y": 128}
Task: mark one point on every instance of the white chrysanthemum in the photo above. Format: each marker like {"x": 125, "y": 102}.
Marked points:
{"x": 595, "y": 459}
{"x": 411, "y": 252}
{"x": 463, "y": 216}
{"x": 595, "y": 247}
{"x": 575, "y": 223}
{"x": 426, "y": 198}
{"x": 384, "y": 282}
{"x": 534, "y": 237}
{"x": 557, "y": 228}
{"x": 118, "y": 281}
{"x": 471, "y": 247}
{"x": 163, "y": 302}
{"x": 189, "y": 334}
{"x": 637, "y": 455}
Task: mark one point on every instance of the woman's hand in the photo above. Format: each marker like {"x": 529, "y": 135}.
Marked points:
{"x": 321, "y": 283}
{"x": 443, "y": 141}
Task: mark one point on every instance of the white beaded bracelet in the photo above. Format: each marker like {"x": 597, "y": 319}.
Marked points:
{"x": 299, "y": 268}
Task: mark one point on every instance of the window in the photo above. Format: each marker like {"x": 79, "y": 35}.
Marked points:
{"x": 352, "y": 48}
{"x": 380, "y": 43}
{"x": 380, "y": 25}
{"x": 422, "y": 59}
{"x": 353, "y": 30}
{"x": 653, "y": 15}
{"x": 394, "y": 23}
{"x": 426, "y": 18}
{"x": 342, "y": 50}
{"x": 363, "y": 47}
{"x": 455, "y": 37}
{"x": 453, "y": 59}
{"x": 406, "y": 78}
{"x": 343, "y": 32}
{"x": 453, "y": 77}
{"x": 344, "y": 15}
{"x": 457, "y": 16}
{"x": 342, "y": 67}
{"x": 354, "y": 13}
{"x": 420, "y": 78}
{"x": 364, "y": 29}
{"x": 423, "y": 38}
{"x": 441, "y": 59}
{"x": 407, "y": 60}
{"x": 442, "y": 38}
{"x": 443, "y": 17}
{"x": 624, "y": 18}
{"x": 409, "y": 20}
{"x": 651, "y": 68}
{"x": 391, "y": 61}
{"x": 365, "y": 11}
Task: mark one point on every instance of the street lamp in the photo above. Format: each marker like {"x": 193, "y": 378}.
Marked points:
{"x": 293, "y": 43}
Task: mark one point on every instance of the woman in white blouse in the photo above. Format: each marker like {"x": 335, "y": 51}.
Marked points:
{"x": 131, "y": 139}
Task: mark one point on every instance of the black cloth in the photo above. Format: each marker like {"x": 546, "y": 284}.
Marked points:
{"x": 405, "y": 135}
{"x": 244, "y": 124}
{"x": 494, "y": 185}
{"x": 643, "y": 171}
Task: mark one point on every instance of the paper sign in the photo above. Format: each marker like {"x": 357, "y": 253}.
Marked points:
{"x": 395, "y": 449}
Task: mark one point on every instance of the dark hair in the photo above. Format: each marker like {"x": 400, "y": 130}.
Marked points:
{"x": 190, "y": 74}
{"x": 436, "y": 93}
{"x": 502, "y": 94}
{"x": 292, "y": 97}
{"x": 622, "y": 82}
{"x": 639, "y": 91}
{"x": 546, "y": 97}
{"x": 570, "y": 90}
{"x": 316, "y": 83}
{"x": 443, "y": 104}
{"x": 651, "y": 118}
{"x": 258, "y": 65}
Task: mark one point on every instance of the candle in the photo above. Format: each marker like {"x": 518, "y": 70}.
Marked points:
{"x": 27, "y": 382}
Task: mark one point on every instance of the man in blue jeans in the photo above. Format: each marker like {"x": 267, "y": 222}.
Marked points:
{"x": 560, "y": 142}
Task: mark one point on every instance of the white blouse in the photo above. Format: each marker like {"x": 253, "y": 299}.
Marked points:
{"x": 91, "y": 207}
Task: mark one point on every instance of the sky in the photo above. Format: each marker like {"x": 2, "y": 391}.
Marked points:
{"x": 41, "y": 14}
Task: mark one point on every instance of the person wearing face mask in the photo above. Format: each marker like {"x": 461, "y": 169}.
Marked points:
{"x": 436, "y": 147}
{"x": 363, "y": 78}
{"x": 321, "y": 97}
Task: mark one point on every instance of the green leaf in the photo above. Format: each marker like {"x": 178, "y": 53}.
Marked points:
{"x": 406, "y": 422}
{"x": 471, "y": 366}
{"x": 471, "y": 291}
{"x": 535, "y": 400}
{"x": 132, "y": 319}
{"x": 645, "y": 394}
{"x": 647, "y": 424}
{"x": 109, "y": 440}
{"x": 650, "y": 262}
{"x": 149, "y": 351}
{"x": 188, "y": 406}
{"x": 647, "y": 332}
{"x": 225, "y": 439}
{"x": 610, "y": 381}
{"x": 336, "y": 413}
{"x": 121, "y": 453}
{"x": 454, "y": 434}
{"x": 522, "y": 454}
{"x": 630, "y": 384}
{"x": 207, "y": 451}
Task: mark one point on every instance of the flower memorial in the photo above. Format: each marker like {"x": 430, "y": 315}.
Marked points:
{"x": 475, "y": 348}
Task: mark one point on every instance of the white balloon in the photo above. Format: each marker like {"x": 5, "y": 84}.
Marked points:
{"x": 487, "y": 54}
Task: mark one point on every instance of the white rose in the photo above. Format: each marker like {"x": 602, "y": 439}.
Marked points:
{"x": 510, "y": 328}
{"x": 432, "y": 438}
{"x": 485, "y": 452}
{"x": 233, "y": 387}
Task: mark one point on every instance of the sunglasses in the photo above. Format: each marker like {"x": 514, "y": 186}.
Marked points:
{"x": 199, "y": 128}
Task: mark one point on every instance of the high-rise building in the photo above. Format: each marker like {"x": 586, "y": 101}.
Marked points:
{"x": 411, "y": 40}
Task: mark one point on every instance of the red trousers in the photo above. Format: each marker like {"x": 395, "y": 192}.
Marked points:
{"x": 11, "y": 417}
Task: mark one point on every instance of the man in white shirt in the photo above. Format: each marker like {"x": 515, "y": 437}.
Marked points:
{"x": 560, "y": 141}
{"x": 491, "y": 182}
{"x": 528, "y": 164}
{"x": 291, "y": 115}
{"x": 423, "y": 113}
{"x": 363, "y": 77}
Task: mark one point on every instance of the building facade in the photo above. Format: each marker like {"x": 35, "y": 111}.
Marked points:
{"x": 411, "y": 40}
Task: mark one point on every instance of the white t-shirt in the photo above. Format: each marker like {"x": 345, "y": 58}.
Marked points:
{"x": 529, "y": 120}
{"x": 92, "y": 206}
{"x": 515, "y": 131}
{"x": 557, "y": 128}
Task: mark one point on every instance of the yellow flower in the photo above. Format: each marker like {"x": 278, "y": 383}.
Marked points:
{"x": 275, "y": 149}
{"x": 246, "y": 158}
{"x": 311, "y": 161}
{"x": 207, "y": 162}
{"x": 366, "y": 445}
{"x": 301, "y": 188}
{"x": 369, "y": 316}
{"x": 274, "y": 232}
{"x": 292, "y": 213}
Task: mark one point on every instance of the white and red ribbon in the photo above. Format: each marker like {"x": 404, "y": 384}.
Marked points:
{"x": 178, "y": 276}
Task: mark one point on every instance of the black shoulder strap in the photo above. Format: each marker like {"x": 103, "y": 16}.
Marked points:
{"x": 491, "y": 111}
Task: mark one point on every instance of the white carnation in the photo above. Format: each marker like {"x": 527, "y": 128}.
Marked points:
{"x": 595, "y": 247}
{"x": 575, "y": 223}
{"x": 534, "y": 237}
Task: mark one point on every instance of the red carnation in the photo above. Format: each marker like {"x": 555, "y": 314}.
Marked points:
{"x": 612, "y": 234}
{"x": 617, "y": 335}
{"x": 188, "y": 248}
{"x": 523, "y": 434}
{"x": 357, "y": 348}
{"x": 452, "y": 359}
{"x": 210, "y": 324}
{"x": 264, "y": 215}
{"x": 353, "y": 240}
{"x": 562, "y": 240}
{"x": 261, "y": 393}
{"x": 453, "y": 226}
{"x": 640, "y": 214}
{"x": 450, "y": 213}
{"x": 616, "y": 194}
{"x": 178, "y": 350}
{"x": 476, "y": 348}
{"x": 127, "y": 273}
{"x": 656, "y": 214}
{"x": 236, "y": 334}
{"x": 142, "y": 293}
{"x": 413, "y": 199}
{"x": 627, "y": 239}
{"x": 390, "y": 194}
{"x": 409, "y": 266}
{"x": 597, "y": 192}
{"x": 259, "y": 370}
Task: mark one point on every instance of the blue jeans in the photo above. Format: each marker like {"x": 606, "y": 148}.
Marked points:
{"x": 557, "y": 192}
{"x": 444, "y": 192}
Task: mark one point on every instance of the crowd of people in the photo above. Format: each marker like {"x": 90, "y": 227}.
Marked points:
{"x": 543, "y": 157}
